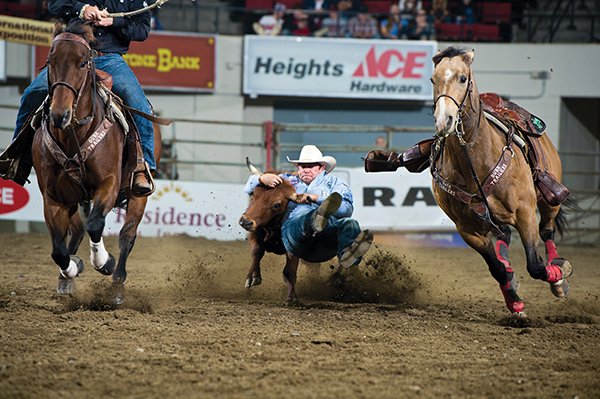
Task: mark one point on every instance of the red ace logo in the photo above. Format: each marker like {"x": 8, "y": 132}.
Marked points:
{"x": 12, "y": 196}
{"x": 392, "y": 63}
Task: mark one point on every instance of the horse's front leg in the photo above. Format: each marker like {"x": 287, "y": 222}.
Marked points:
{"x": 289, "y": 277}
{"x": 496, "y": 257}
{"x": 257, "y": 252}
{"x": 57, "y": 220}
{"x": 128, "y": 234}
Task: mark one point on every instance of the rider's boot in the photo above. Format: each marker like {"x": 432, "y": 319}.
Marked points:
{"x": 415, "y": 159}
{"x": 142, "y": 183}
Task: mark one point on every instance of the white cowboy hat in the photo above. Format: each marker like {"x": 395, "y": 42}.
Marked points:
{"x": 311, "y": 154}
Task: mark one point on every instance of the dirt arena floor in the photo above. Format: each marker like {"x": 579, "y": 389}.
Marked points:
{"x": 407, "y": 323}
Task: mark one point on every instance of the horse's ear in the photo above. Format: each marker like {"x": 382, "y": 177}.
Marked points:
{"x": 57, "y": 28}
{"x": 469, "y": 57}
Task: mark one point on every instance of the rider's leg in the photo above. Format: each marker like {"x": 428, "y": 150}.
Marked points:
{"x": 32, "y": 97}
{"x": 127, "y": 87}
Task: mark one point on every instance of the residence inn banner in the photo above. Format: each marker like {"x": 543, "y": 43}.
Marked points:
{"x": 349, "y": 68}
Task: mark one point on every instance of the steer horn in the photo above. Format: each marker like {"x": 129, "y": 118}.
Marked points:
{"x": 252, "y": 168}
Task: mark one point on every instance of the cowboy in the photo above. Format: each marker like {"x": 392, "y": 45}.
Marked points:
{"x": 319, "y": 226}
{"x": 115, "y": 35}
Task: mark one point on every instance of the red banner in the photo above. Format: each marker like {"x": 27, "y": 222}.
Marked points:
{"x": 167, "y": 61}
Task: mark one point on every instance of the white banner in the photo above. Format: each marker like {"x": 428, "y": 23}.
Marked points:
{"x": 398, "y": 201}
{"x": 355, "y": 68}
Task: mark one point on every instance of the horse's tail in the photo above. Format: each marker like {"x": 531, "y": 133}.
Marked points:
{"x": 561, "y": 222}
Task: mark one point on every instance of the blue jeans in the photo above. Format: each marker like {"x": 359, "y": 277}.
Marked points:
{"x": 125, "y": 85}
{"x": 298, "y": 240}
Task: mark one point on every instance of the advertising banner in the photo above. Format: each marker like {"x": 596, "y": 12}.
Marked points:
{"x": 28, "y": 31}
{"x": 399, "y": 201}
{"x": 351, "y": 68}
{"x": 167, "y": 61}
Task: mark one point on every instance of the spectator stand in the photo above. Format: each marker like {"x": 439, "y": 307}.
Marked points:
{"x": 18, "y": 9}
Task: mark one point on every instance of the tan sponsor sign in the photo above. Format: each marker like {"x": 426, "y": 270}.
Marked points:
{"x": 26, "y": 31}
{"x": 174, "y": 61}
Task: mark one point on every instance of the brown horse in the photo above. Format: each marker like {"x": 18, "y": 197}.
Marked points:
{"x": 483, "y": 181}
{"x": 78, "y": 156}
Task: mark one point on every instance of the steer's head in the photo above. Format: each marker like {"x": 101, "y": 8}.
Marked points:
{"x": 266, "y": 203}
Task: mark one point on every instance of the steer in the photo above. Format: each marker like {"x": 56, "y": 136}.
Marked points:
{"x": 262, "y": 220}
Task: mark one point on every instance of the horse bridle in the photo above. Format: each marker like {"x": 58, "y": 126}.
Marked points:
{"x": 91, "y": 71}
{"x": 459, "y": 134}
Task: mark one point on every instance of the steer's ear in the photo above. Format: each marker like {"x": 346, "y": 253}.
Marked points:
{"x": 252, "y": 168}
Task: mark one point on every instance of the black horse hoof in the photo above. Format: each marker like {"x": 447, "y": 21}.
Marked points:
{"x": 109, "y": 266}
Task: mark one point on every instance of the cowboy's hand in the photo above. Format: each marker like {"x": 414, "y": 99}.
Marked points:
{"x": 104, "y": 21}
{"x": 270, "y": 180}
{"x": 92, "y": 13}
{"x": 305, "y": 199}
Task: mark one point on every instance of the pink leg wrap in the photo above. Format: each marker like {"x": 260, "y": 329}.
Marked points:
{"x": 554, "y": 274}
{"x": 550, "y": 251}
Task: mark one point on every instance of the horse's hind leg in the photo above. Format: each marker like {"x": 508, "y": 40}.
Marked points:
{"x": 100, "y": 258}
{"x": 127, "y": 235}
{"x": 558, "y": 269}
{"x": 496, "y": 257}
{"x": 76, "y": 231}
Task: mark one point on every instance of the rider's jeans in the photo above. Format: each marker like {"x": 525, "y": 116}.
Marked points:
{"x": 298, "y": 239}
{"x": 125, "y": 85}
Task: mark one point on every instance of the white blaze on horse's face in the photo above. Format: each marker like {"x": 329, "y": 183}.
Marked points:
{"x": 450, "y": 82}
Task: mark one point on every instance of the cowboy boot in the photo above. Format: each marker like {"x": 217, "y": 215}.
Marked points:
{"x": 415, "y": 159}
{"x": 142, "y": 184}
{"x": 327, "y": 208}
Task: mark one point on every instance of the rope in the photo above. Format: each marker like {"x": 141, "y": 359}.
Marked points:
{"x": 157, "y": 3}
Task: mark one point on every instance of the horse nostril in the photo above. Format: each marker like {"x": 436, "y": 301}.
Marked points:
{"x": 66, "y": 120}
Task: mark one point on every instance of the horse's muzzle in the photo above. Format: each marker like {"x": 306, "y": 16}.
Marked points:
{"x": 61, "y": 120}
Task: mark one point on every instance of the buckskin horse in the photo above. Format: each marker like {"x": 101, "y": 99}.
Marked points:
{"x": 484, "y": 180}
{"x": 78, "y": 155}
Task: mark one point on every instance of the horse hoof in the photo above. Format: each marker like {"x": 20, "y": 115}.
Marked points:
{"x": 109, "y": 266}
{"x": 65, "y": 286}
{"x": 560, "y": 289}
{"x": 251, "y": 282}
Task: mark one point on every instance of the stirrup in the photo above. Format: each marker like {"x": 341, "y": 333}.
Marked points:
{"x": 150, "y": 179}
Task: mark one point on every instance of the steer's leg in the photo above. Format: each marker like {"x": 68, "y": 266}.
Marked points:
{"x": 289, "y": 276}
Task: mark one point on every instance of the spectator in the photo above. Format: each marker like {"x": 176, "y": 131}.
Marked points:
{"x": 346, "y": 5}
{"x": 301, "y": 24}
{"x": 421, "y": 28}
{"x": 271, "y": 24}
{"x": 335, "y": 25}
{"x": 439, "y": 12}
{"x": 154, "y": 21}
{"x": 380, "y": 142}
{"x": 363, "y": 26}
{"x": 393, "y": 27}
{"x": 465, "y": 12}
{"x": 316, "y": 5}
{"x": 409, "y": 7}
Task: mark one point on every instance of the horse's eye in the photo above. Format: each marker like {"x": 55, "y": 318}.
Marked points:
{"x": 463, "y": 79}
{"x": 431, "y": 80}
{"x": 82, "y": 65}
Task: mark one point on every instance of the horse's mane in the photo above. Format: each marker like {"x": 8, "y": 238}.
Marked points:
{"x": 449, "y": 52}
{"x": 79, "y": 28}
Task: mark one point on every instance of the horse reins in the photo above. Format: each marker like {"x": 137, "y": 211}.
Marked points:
{"x": 489, "y": 184}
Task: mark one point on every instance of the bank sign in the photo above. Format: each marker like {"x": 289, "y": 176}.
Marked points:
{"x": 342, "y": 68}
